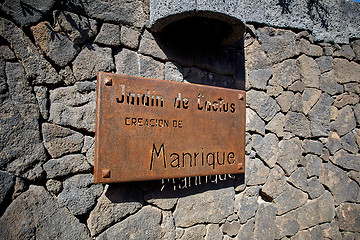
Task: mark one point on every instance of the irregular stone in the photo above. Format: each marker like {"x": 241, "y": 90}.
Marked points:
{"x": 285, "y": 100}
{"x": 346, "y": 71}
{"x": 274, "y": 91}
{"x": 346, "y": 52}
{"x": 75, "y": 163}
{"x": 331, "y": 230}
{"x": 352, "y": 87}
{"x": 309, "y": 97}
{"x": 287, "y": 225}
{"x": 333, "y": 143}
{"x": 315, "y": 189}
{"x": 297, "y": 124}
{"x": 38, "y": 70}
{"x": 26, "y": 12}
{"x": 168, "y": 226}
{"x": 256, "y": 172}
{"x": 357, "y": 113}
{"x": 341, "y": 186}
{"x": 275, "y": 183}
{"x": 264, "y": 219}
{"x": 266, "y": 147}
{"x": 41, "y": 94}
{"x": 211, "y": 206}
{"x": 319, "y": 116}
{"x": 165, "y": 199}
{"x": 297, "y": 86}
{"x": 231, "y": 228}
{"x": 345, "y": 121}
{"x": 57, "y": 46}
{"x": 109, "y": 35}
{"x": 356, "y": 47}
{"x": 276, "y": 125}
{"x": 348, "y": 216}
{"x": 60, "y": 141}
{"x": 346, "y": 99}
{"x": 129, "y": 37}
{"x": 247, "y": 203}
{"x": 127, "y": 62}
{"x": 35, "y": 214}
{"x": 21, "y": 149}
{"x": 278, "y": 44}
{"x": 67, "y": 76}
{"x": 174, "y": 72}
{"x": 354, "y": 176}
{"x": 90, "y": 155}
{"x": 7, "y": 53}
{"x": 309, "y": 71}
{"x": 151, "y": 68}
{"x": 256, "y": 57}
{"x": 145, "y": 224}
{"x": 91, "y": 60}
{"x": 213, "y": 232}
{"x": 285, "y": 73}
{"x": 69, "y": 107}
{"x": 329, "y": 84}
{"x": 312, "y": 146}
{"x": 148, "y": 46}
{"x": 54, "y": 186}
{"x": 6, "y": 183}
{"x": 19, "y": 187}
{"x": 247, "y": 230}
{"x": 79, "y": 194}
{"x": 290, "y": 152}
{"x": 117, "y": 202}
{"x": 297, "y": 103}
{"x": 254, "y": 123}
{"x": 313, "y": 165}
{"x": 258, "y": 78}
{"x": 195, "y": 232}
{"x": 119, "y": 11}
{"x": 88, "y": 142}
{"x": 346, "y": 160}
{"x": 334, "y": 113}
{"x": 291, "y": 198}
{"x": 315, "y": 51}
{"x": 78, "y": 28}
{"x": 349, "y": 140}
{"x": 261, "y": 103}
{"x": 324, "y": 63}
{"x": 299, "y": 178}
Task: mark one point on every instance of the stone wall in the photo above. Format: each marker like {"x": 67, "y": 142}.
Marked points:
{"x": 302, "y": 178}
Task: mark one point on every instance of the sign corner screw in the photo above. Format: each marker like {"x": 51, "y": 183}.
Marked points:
{"x": 106, "y": 173}
{"x": 108, "y": 81}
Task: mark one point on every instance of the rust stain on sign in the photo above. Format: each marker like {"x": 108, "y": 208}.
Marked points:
{"x": 153, "y": 129}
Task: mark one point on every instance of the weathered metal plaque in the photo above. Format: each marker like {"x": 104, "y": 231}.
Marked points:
{"x": 153, "y": 129}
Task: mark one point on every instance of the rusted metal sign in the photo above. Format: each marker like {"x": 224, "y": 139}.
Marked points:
{"x": 153, "y": 129}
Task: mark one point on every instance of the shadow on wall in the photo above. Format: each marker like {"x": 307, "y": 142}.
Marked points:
{"x": 195, "y": 45}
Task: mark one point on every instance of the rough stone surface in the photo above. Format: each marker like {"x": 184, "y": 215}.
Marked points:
{"x": 297, "y": 124}
{"x": 313, "y": 165}
{"x": 117, "y": 202}
{"x": 285, "y": 73}
{"x": 266, "y": 148}
{"x": 213, "y": 232}
{"x": 79, "y": 193}
{"x": 6, "y": 183}
{"x": 91, "y": 60}
{"x": 26, "y": 12}
{"x": 255, "y": 171}
{"x": 344, "y": 122}
{"x": 75, "y": 163}
{"x": 341, "y": 186}
{"x": 129, "y": 37}
{"x": 195, "y": 232}
{"x": 36, "y": 67}
{"x": 276, "y": 125}
{"x": 309, "y": 71}
{"x": 264, "y": 218}
{"x": 346, "y": 160}
{"x": 71, "y": 107}
{"x": 57, "y": 46}
{"x": 78, "y": 28}
{"x": 60, "y": 141}
{"x": 298, "y": 179}
{"x": 258, "y": 79}
{"x": 20, "y": 143}
{"x": 54, "y": 186}
{"x": 165, "y": 199}
{"x": 211, "y": 206}
{"x": 41, "y": 94}
{"x": 319, "y": 116}
{"x": 143, "y": 225}
{"x": 262, "y": 104}
{"x": 290, "y": 152}
{"x": 25, "y": 218}
{"x": 275, "y": 183}
{"x": 109, "y": 35}
{"x": 254, "y": 122}
{"x": 247, "y": 203}
{"x": 291, "y": 198}
{"x": 349, "y": 217}
{"x": 346, "y": 71}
